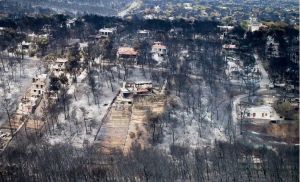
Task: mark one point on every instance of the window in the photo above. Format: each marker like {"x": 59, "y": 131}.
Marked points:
{"x": 254, "y": 114}
{"x": 34, "y": 90}
{"x": 248, "y": 114}
{"x": 262, "y": 114}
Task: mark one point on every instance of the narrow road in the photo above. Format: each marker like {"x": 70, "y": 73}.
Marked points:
{"x": 264, "y": 82}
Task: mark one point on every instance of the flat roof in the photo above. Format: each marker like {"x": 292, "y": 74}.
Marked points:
{"x": 127, "y": 51}
{"x": 107, "y": 30}
{"x": 265, "y": 108}
{"x": 143, "y": 31}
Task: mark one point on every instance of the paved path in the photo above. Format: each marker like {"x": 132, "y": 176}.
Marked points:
{"x": 264, "y": 82}
{"x": 113, "y": 132}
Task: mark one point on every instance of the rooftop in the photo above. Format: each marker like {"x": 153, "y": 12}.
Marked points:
{"x": 107, "y": 30}
{"x": 265, "y": 108}
{"x": 127, "y": 51}
{"x": 159, "y": 45}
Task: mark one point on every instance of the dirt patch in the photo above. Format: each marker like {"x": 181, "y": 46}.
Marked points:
{"x": 285, "y": 132}
{"x": 139, "y": 124}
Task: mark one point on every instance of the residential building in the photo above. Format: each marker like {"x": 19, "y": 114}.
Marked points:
{"x": 260, "y": 112}
{"x": 159, "y": 49}
{"x": 107, "y": 32}
{"x": 143, "y": 33}
{"x": 38, "y": 86}
{"x": 131, "y": 89}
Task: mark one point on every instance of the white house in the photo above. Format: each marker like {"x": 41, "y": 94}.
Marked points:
{"x": 130, "y": 89}
{"x": 260, "y": 112}
{"x": 107, "y": 32}
{"x": 159, "y": 49}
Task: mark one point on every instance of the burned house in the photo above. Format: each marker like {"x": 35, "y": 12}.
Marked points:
{"x": 38, "y": 86}
{"x": 130, "y": 90}
{"x": 59, "y": 66}
{"x": 26, "y": 47}
{"x": 33, "y": 96}
{"x": 127, "y": 54}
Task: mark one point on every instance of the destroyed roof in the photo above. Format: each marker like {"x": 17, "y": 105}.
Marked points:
{"x": 127, "y": 51}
